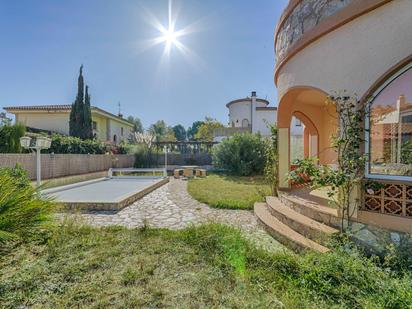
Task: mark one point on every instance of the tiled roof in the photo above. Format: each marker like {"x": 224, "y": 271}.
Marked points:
{"x": 40, "y": 107}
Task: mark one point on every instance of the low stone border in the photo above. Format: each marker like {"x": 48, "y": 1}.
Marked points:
{"x": 114, "y": 206}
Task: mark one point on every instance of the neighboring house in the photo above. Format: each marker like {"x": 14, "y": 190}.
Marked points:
{"x": 107, "y": 127}
{"x": 253, "y": 115}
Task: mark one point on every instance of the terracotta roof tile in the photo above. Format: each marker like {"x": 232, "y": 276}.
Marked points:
{"x": 40, "y": 107}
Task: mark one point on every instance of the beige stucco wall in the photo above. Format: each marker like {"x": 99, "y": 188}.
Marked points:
{"x": 51, "y": 121}
{"x": 116, "y": 129}
{"x": 59, "y": 122}
{"x": 355, "y": 55}
{"x": 101, "y": 130}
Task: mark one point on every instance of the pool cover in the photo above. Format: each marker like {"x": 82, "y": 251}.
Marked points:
{"x": 105, "y": 193}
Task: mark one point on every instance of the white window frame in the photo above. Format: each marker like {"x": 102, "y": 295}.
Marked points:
{"x": 367, "y": 133}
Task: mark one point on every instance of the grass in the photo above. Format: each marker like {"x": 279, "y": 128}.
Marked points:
{"x": 210, "y": 266}
{"x": 232, "y": 192}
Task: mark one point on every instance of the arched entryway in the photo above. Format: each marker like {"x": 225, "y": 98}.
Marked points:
{"x": 319, "y": 120}
{"x": 310, "y": 135}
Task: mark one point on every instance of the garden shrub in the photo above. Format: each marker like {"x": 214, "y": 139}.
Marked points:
{"x": 144, "y": 157}
{"x": 23, "y": 213}
{"x": 241, "y": 154}
{"x": 62, "y": 144}
{"x": 10, "y": 138}
{"x": 70, "y": 144}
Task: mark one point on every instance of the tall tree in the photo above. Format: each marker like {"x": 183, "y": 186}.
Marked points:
{"x": 180, "y": 132}
{"x": 169, "y": 135}
{"x": 191, "y": 131}
{"x": 77, "y": 111}
{"x": 80, "y": 122}
{"x": 10, "y": 138}
{"x": 87, "y": 117}
{"x": 158, "y": 130}
{"x": 137, "y": 124}
{"x": 206, "y": 130}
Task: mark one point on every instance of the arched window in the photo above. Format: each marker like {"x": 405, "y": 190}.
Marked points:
{"x": 245, "y": 123}
{"x": 389, "y": 140}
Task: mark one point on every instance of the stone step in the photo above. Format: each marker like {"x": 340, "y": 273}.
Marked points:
{"x": 300, "y": 223}
{"x": 284, "y": 233}
{"x": 311, "y": 209}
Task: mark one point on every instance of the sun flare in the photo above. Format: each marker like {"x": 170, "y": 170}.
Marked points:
{"x": 169, "y": 36}
{"x": 172, "y": 37}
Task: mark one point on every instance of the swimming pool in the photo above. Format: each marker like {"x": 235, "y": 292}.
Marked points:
{"x": 109, "y": 193}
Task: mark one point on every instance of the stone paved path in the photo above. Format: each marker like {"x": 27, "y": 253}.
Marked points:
{"x": 172, "y": 207}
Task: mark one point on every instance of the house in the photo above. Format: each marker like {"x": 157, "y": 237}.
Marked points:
{"x": 253, "y": 115}
{"x": 107, "y": 127}
{"x": 365, "y": 48}
{"x": 322, "y": 57}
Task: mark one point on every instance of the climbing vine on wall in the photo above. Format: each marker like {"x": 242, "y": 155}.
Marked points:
{"x": 345, "y": 179}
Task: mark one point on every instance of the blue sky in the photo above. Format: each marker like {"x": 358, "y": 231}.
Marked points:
{"x": 44, "y": 42}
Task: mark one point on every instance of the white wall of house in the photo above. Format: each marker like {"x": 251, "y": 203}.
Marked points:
{"x": 238, "y": 112}
{"x": 242, "y": 113}
{"x": 262, "y": 118}
{"x": 296, "y": 127}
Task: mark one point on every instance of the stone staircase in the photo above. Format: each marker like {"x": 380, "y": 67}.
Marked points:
{"x": 299, "y": 223}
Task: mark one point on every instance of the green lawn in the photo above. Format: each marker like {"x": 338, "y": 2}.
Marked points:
{"x": 211, "y": 266}
{"x": 231, "y": 192}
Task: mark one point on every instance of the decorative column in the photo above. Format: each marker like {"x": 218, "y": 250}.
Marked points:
{"x": 284, "y": 160}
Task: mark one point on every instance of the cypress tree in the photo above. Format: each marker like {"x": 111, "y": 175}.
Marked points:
{"x": 76, "y": 114}
{"x": 88, "y": 129}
